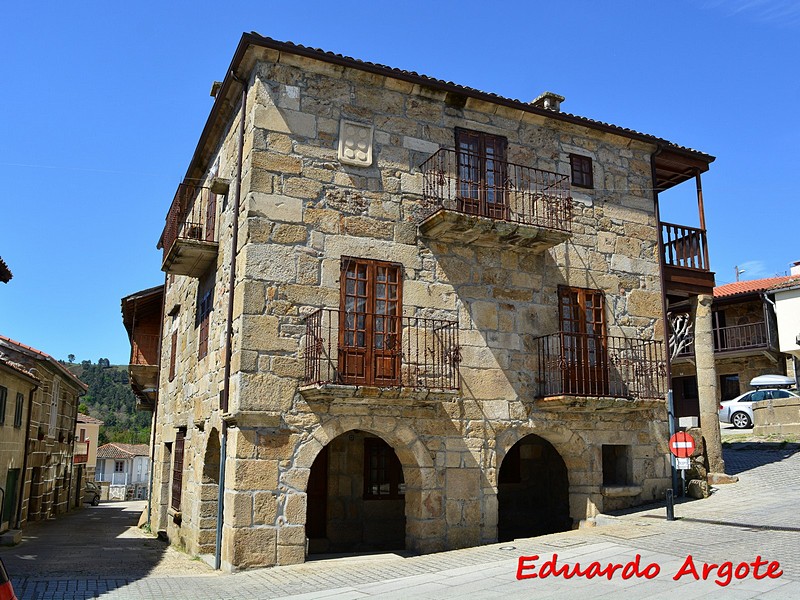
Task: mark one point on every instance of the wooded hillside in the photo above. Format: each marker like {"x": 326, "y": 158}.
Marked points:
{"x": 111, "y": 400}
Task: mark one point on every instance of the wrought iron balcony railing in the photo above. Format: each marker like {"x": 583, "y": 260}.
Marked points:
{"x": 474, "y": 185}
{"x": 191, "y": 218}
{"x": 380, "y": 350}
{"x": 579, "y": 364}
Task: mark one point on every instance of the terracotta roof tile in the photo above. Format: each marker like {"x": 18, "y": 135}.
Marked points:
{"x": 82, "y": 418}
{"x": 792, "y": 281}
{"x": 18, "y": 368}
{"x": 740, "y": 288}
{"x": 117, "y": 450}
{"x": 46, "y": 357}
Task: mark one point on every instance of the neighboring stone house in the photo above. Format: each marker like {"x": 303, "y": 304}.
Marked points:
{"x": 50, "y": 412}
{"x": 87, "y": 435}
{"x": 745, "y": 341}
{"x": 126, "y": 468}
{"x": 447, "y": 322}
{"x": 17, "y": 385}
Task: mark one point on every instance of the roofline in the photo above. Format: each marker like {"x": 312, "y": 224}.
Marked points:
{"x": 143, "y": 293}
{"x": 21, "y": 371}
{"x": 254, "y": 39}
{"x": 39, "y": 355}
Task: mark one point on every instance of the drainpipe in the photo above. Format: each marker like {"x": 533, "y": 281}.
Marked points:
{"x": 25, "y": 458}
{"x": 154, "y": 420}
{"x": 664, "y": 306}
{"x": 223, "y": 448}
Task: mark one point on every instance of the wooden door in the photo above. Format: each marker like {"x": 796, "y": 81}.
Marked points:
{"x": 317, "y": 491}
{"x": 370, "y": 328}
{"x": 584, "y": 353}
{"x": 481, "y": 174}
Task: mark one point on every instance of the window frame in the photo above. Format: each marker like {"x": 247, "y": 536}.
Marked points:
{"x": 119, "y": 466}
{"x": 205, "y": 306}
{"x": 18, "y": 409}
{"x": 3, "y": 402}
{"x": 483, "y": 157}
{"x": 581, "y": 171}
{"x": 377, "y": 359}
{"x": 583, "y": 341}
{"x": 172, "y": 352}
{"x": 390, "y": 473}
{"x": 177, "y": 469}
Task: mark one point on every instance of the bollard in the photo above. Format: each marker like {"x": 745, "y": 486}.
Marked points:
{"x": 670, "y": 506}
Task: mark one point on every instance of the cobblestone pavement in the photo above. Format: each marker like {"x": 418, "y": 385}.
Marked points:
{"x": 756, "y": 517}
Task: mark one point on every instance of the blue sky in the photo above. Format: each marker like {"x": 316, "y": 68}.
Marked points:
{"x": 104, "y": 102}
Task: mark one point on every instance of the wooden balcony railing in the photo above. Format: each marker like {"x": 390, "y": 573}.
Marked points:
{"x": 735, "y": 338}
{"x": 576, "y": 364}
{"x": 80, "y": 452}
{"x": 499, "y": 190}
{"x": 684, "y": 247}
{"x": 144, "y": 349}
{"x": 380, "y": 350}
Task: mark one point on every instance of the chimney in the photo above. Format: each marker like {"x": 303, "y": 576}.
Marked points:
{"x": 549, "y": 101}
{"x": 795, "y": 270}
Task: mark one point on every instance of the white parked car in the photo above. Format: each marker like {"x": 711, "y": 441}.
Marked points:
{"x": 739, "y": 411}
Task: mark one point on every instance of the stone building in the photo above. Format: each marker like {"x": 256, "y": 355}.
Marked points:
{"x": 16, "y": 385}
{"x": 87, "y": 437}
{"x": 447, "y": 318}
{"x": 745, "y": 342}
{"x": 47, "y": 482}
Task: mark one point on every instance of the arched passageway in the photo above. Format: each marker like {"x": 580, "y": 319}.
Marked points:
{"x": 209, "y": 495}
{"x": 532, "y": 491}
{"x": 356, "y": 496}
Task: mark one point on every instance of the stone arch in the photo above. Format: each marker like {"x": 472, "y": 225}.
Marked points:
{"x": 415, "y": 460}
{"x": 533, "y": 484}
{"x": 209, "y": 494}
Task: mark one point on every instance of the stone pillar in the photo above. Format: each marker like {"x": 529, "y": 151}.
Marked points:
{"x": 707, "y": 382}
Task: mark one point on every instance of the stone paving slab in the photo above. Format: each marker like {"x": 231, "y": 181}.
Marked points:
{"x": 757, "y": 516}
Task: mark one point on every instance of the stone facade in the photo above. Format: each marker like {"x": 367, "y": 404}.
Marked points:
{"x": 47, "y": 432}
{"x": 310, "y": 201}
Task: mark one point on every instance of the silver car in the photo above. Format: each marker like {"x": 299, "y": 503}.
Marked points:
{"x": 91, "y": 493}
{"x": 739, "y": 411}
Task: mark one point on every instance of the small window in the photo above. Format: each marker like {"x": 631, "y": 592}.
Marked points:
{"x": 173, "y": 350}
{"x": 383, "y": 474}
{"x": 581, "y": 167}
{"x": 177, "y": 468}
{"x": 83, "y": 434}
{"x": 119, "y": 466}
{"x": 204, "y": 308}
{"x": 18, "y": 410}
{"x": 3, "y": 397}
{"x": 729, "y": 387}
{"x": 616, "y": 465}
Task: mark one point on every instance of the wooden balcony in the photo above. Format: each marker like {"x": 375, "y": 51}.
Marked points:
{"x": 381, "y": 352}
{"x": 143, "y": 369}
{"x": 492, "y": 203}
{"x": 189, "y": 238}
{"x": 686, "y": 266}
{"x": 736, "y": 341}
{"x": 80, "y": 452}
{"x": 573, "y": 367}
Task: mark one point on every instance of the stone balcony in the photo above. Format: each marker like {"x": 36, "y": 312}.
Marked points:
{"x": 501, "y": 205}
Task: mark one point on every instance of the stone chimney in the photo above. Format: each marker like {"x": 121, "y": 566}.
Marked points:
{"x": 795, "y": 270}
{"x": 549, "y": 101}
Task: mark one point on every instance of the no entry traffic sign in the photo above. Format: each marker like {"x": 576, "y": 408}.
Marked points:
{"x": 681, "y": 445}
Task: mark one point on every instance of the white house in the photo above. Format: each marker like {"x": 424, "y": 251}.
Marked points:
{"x": 787, "y": 312}
{"x": 126, "y": 467}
